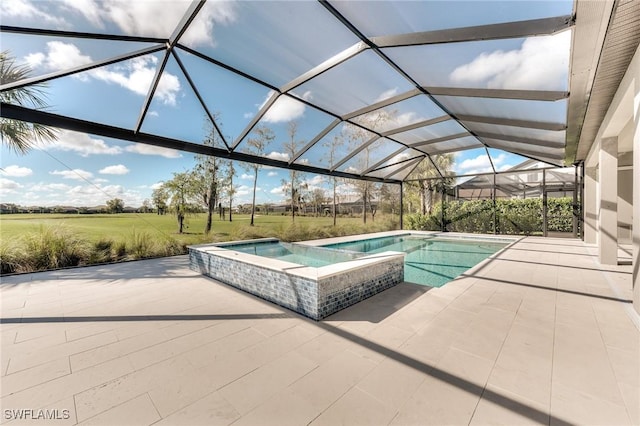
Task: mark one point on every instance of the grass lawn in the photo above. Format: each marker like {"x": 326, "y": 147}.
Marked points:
{"x": 119, "y": 226}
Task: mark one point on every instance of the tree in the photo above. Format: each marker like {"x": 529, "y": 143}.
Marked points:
{"x": 159, "y": 197}
{"x": 257, "y": 145}
{"x": 229, "y": 188}
{"x": 332, "y": 148}
{"x": 428, "y": 184}
{"x": 115, "y": 205}
{"x": 317, "y": 199}
{"x": 293, "y": 185}
{"x": 183, "y": 193}
{"x": 16, "y": 135}
{"x": 146, "y": 206}
{"x": 390, "y": 198}
{"x": 207, "y": 176}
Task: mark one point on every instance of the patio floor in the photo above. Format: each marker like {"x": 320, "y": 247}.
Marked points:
{"x": 539, "y": 334}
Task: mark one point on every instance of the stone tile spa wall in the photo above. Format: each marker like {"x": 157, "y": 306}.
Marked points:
{"x": 313, "y": 292}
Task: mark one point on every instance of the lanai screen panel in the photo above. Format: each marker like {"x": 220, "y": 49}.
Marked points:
{"x": 344, "y": 88}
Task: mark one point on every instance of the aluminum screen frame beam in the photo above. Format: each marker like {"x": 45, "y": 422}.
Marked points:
{"x": 543, "y": 125}
{"x": 524, "y": 95}
{"x": 15, "y": 112}
{"x": 519, "y": 29}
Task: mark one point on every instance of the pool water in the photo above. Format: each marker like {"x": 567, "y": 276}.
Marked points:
{"x": 429, "y": 261}
{"x": 291, "y": 253}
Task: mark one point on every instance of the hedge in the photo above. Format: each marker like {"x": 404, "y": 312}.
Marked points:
{"x": 513, "y": 216}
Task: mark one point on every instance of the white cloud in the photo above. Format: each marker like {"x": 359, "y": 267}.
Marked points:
{"x": 246, "y": 176}
{"x": 285, "y": 109}
{"x": 153, "y": 114}
{"x": 316, "y": 180}
{"x": 201, "y": 29}
{"x": 82, "y": 143}
{"x": 76, "y": 174}
{"x": 143, "y": 149}
{"x": 49, "y": 187}
{"x": 481, "y": 161}
{"x": 16, "y": 171}
{"x": 26, "y": 10}
{"x": 243, "y": 190}
{"x": 133, "y": 17}
{"x": 157, "y": 185}
{"x": 62, "y": 56}
{"x": 8, "y": 184}
{"x": 282, "y": 156}
{"x": 351, "y": 169}
{"x": 481, "y": 164}
{"x": 387, "y": 94}
{"x": 118, "y": 169}
{"x": 90, "y": 9}
{"x": 540, "y": 63}
{"x": 278, "y": 191}
{"x": 272, "y": 174}
{"x": 135, "y": 74}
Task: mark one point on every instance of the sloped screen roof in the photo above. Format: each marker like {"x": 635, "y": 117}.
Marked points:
{"x": 356, "y": 88}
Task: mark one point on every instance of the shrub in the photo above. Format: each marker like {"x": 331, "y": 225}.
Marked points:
{"x": 51, "y": 248}
{"x": 102, "y": 251}
{"x": 139, "y": 245}
{"x": 10, "y": 255}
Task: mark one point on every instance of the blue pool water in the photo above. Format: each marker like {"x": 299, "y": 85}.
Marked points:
{"x": 313, "y": 256}
{"x": 429, "y": 261}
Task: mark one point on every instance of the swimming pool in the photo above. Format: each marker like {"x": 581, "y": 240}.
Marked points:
{"x": 429, "y": 260}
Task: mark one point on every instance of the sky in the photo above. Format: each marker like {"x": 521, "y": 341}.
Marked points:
{"x": 275, "y": 42}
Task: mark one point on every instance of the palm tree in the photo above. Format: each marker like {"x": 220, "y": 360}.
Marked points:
{"x": 21, "y": 136}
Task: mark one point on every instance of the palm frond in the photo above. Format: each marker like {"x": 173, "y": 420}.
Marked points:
{"x": 16, "y": 135}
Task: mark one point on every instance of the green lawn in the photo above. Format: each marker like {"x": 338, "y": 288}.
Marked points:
{"x": 120, "y": 226}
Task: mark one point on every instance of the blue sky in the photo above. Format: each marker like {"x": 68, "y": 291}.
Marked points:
{"x": 276, "y": 41}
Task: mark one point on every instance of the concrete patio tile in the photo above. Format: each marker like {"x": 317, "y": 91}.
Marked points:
{"x": 576, "y": 317}
{"x": 500, "y": 407}
{"x": 624, "y": 336}
{"x": 172, "y": 395}
{"x": 83, "y": 330}
{"x": 47, "y": 393}
{"x": 581, "y": 362}
{"x": 582, "y": 408}
{"x": 332, "y": 379}
{"x": 389, "y": 335}
{"x": 114, "y": 350}
{"x": 183, "y": 343}
{"x": 356, "y": 408}
{"x": 33, "y": 345}
{"x": 440, "y": 402}
{"x": 631, "y": 396}
{"x": 136, "y": 411}
{"x": 261, "y": 384}
{"x": 283, "y": 342}
{"x": 430, "y": 345}
{"x": 392, "y": 382}
{"x": 211, "y": 410}
{"x": 121, "y": 388}
{"x": 204, "y": 355}
{"x": 466, "y": 366}
{"x": 323, "y": 347}
{"x": 42, "y": 355}
{"x": 42, "y": 373}
{"x": 284, "y": 409}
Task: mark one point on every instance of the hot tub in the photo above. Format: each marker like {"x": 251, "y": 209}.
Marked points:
{"x": 336, "y": 280}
